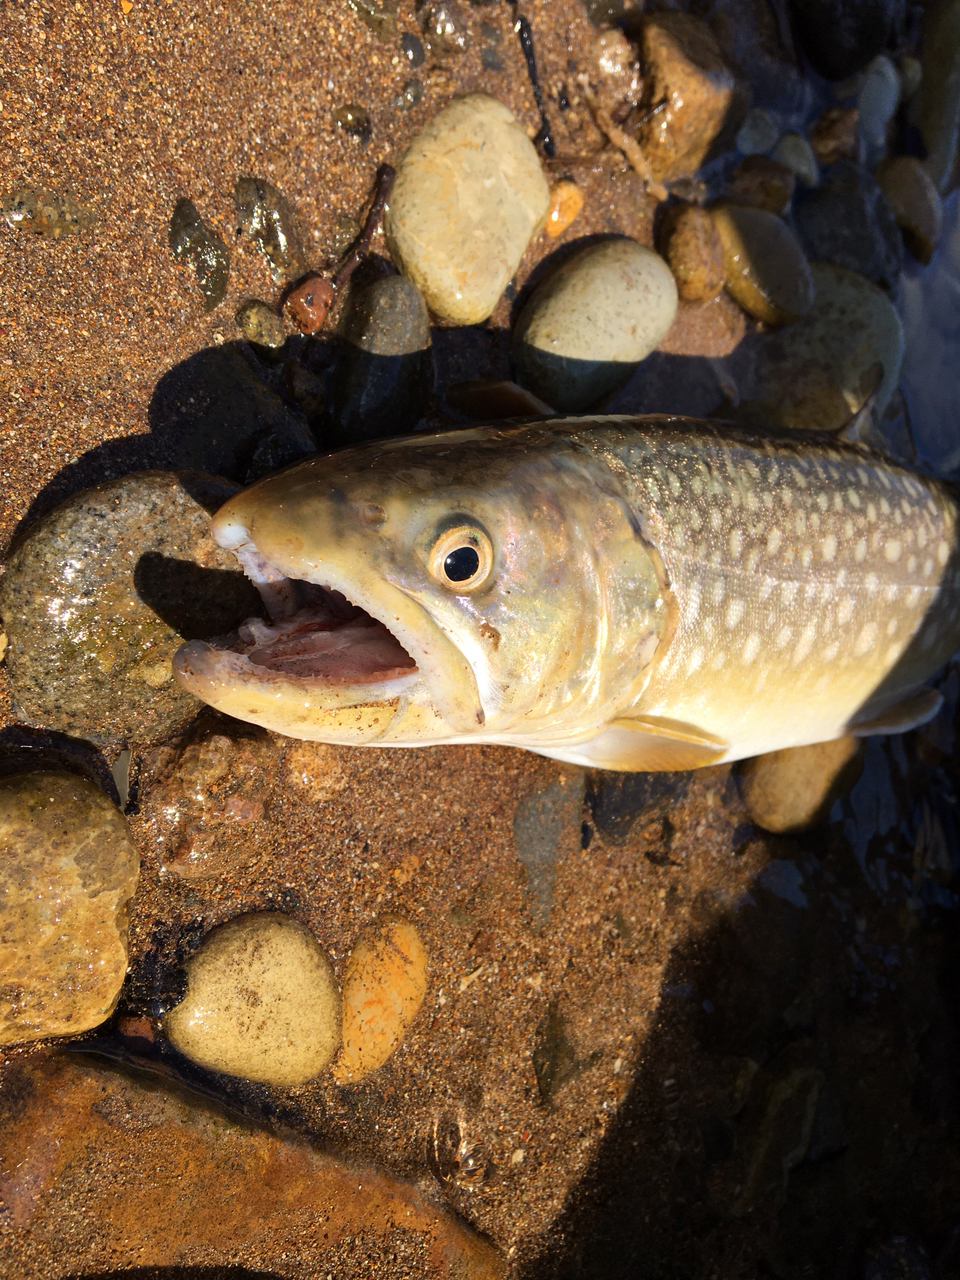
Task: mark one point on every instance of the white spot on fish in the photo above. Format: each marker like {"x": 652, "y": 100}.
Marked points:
{"x": 696, "y": 661}
{"x": 753, "y": 559}
{"x": 773, "y": 542}
{"x": 751, "y": 648}
{"x": 892, "y": 550}
{"x": 805, "y": 643}
{"x": 871, "y": 512}
{"x": 844, "y": 611}
{"x": 735, "y": 544}
{"x": 853, "y": 498}
{"x": 734, "y": 613}
{"x": 860, "y": 551}
{"x": 943, "y": 553}
{"x": 866, "y": 639}
{"x": 784, "y": 636}
{"x": 806, "y": 557}
{"x": 892, "y": 626}
{"x": 829, "y": 547}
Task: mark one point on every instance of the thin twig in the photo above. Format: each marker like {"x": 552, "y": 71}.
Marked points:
{"x": 623, "y": 141}
{"x": 385, "y": 179}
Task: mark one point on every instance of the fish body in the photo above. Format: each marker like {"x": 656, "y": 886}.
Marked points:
{"x": 629, "y": 593}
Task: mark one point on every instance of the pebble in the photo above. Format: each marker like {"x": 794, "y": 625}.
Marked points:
{"x": 261, "y": 1002}
{"x": 412, "y": 50}
{"x": 384, "y": 378}
{"x": 616, "y": 71}
{"x": 847, "y": 221}
{"x": 587, "y": 326}
{"x": 383, "y": 989}
{"x": 841, "y": 36}
{"x": 411, "y": 95}
{"x": 766, "y": 271}
{"x": 877, "y": 102}
{"x": 764, "y": 182}
{"x": 795, "y": 789}
{"x": 68, "y": 870}
{"x": 911, "y": 77}
{"x": 694, "y": 251}
{"x": 103, "y": 590}
{"x": 468, "y": 198}
{"x": 820, "y": 372}
{"x": 308, "y": 305}
{"x": 267, "y": 217}
{"x": 445, "y": 30}
{"x": 566, "y": 205}
{"x": 380, "y": 18}
{"x": 916, "y": 204}
{"x": 758, "y": 133}
{"x": 836, "y": 135}
{"x": 354, "y": 119}
{"x": 546, "y": 830}
{"x": 685, "y": 69}
{"x": 193, "y": 242}
{"x": 45, "y": 213}
{"x": 259, "y": 323}
{"x": 936, "y": 108}
{"x": 795, "y": 151}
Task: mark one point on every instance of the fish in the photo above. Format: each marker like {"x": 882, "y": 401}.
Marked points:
{"x": 635, "y": 593}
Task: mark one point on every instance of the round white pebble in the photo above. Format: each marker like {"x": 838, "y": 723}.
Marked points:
{"x": 261, "y": 1003}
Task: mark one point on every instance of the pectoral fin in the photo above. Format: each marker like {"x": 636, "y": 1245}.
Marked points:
{"x": 652, "y": 744}
{"x": 909, "y": 714}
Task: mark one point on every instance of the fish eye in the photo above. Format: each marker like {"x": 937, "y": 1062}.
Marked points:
{"x": 462, "y": 559}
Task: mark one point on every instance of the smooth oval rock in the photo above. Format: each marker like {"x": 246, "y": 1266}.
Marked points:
{"x": 847, "y": 221}
{"x": 261, "y": 1002}
{"x": 795, "y": 789}
{"x": 468, "y": 198}
{"x": 758, "y": 133}
{"x": 259, "y": 323}
{"x": 916, "y": 204}
{"x": 266, "y": 216}
{"x": 383, "y": 989}
{"x": 795, "y": 151}
{"x": 68, "y": 870}
{"x": 100, "y": 594}
{"x": 836, "y": 135}
{"x": 936, "y": 108}
{"x": 764, "y": 182}
{"x": 695, "y": 253}
{"x": 819, "y": 373}
{"x": 766, "y": 271}
{"x": 384, "y": 378}
{"x": 587, "y": 326}
{"x": 566, "y": 203}
{"x": 877, "y": 102}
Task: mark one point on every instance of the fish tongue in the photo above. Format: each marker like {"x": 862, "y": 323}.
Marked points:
{"x": 360, "y": 651}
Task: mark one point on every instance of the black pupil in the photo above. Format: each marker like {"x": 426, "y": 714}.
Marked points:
{"x": 461, "y": 564}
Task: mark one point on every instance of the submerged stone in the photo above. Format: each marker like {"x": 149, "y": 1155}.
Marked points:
{"x": 193, "y": 242}
{"x": 103, "y": 590}
{"x": 46, "y": 213}
{"x": 588, "y": 325}
{"x": 469, "y": 196}
{"x": 268, "y": 218}
{"x": 847, "y": 221}
{"x": 766, "y": 271}
{"x": 261, "y": 1002}
{"x": 68, "y": 870}
{"x": 794, "y": 789}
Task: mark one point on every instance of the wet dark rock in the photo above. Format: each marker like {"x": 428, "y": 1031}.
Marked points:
{"x": 412, "y": 48}
{"x": 383, "y": 382}
{"x": 936, "y": 107}
{"x": 835, "y": 135}
{"x": 355, "y": 120}
{"x": 847, "y": 221}
{"x": 222, "y": 411}
{"x": 546, "y": 826}
{"x": 622, "y": 800}
{"x": 259, "y": 323}
{"x": 101, "y": 592}
{"x": 380, "y": 18}
{"x": 695, "y": 252}
{"x": 46, "y": 213}
{"x": 766, "y": 271}
{"x": 491, "y": 59}
{"x": 445, "y": 30}
{"x": 839, "y": 37}
{"x": 411, "y": 95}
{"x": 555, "y": 1058}
{"x": 193, "y": 242}
{"x": 764, "y": 182}
{"x": 68, "y": 870}
{"x": 916, "y": 204}
{"x": 898, "y": 1259}
{"x": 267, "y": 217}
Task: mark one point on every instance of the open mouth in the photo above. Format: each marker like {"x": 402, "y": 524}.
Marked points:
{"x": 315, "y": 634}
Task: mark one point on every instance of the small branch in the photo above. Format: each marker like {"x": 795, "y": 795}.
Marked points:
{"x": 623, "y": 141}
{"x": 385, "y": 179}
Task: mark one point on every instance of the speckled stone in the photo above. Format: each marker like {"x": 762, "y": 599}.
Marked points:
{"x": 101, "y": 593}
{"x": 383, "y": 989}
{"x": 384, "y": 379}
{"x": 259, "y": 323}
{"x": 586, "y": 327}
{"x": 267, "y": 217}
{"x": 916, "y": 204}
{"x": 835, "y": 135}
{"x": 469, "y": 196}
{"x": 68, "y": 870}
{"x": 817, "y": 374}
{"x": 261, "y": 1002}
{"x": 795, "y": 151}
{"x": 695, "y": 253}
{"x": 766, "y": 271}
{"x": 763, "y": 182}
{"x": 685, "y": 69}
{"x": 794, "y": 789}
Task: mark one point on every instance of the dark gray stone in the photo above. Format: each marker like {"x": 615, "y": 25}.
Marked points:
{"x": 847, "y": 221}
{"x": 840, "y": 37}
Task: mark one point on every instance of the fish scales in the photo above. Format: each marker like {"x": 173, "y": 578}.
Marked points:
{"x": 629, "y": 593}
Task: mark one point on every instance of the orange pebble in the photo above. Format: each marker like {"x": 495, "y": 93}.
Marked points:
{"x": 383, "y": 988}
{"x": 566, "y": 201}
{"x": 308, "y": 304}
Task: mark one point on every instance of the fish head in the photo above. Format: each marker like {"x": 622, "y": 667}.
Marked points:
{"x": 436, "y": 588}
